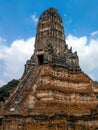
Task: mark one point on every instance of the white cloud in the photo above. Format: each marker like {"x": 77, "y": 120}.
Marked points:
{"x": 13, "y": 58}
{"x": 94, "y": 33}
{"x": 87, "y": 53}
{"x": 34, "y": 18}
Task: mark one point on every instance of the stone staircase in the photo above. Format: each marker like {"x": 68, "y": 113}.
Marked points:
{"x": 23, "y": 87}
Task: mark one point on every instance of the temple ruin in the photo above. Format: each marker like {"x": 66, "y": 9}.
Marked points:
{"x": 53, "y": 92}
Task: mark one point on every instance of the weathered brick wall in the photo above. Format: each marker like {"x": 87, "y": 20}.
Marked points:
{"x": 53, "y": 93}
{"x": 29, "y": 123}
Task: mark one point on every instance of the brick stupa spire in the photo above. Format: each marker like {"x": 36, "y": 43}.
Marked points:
{"x": 53, "y": 93}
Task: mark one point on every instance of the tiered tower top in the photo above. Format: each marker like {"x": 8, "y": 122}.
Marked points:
{"x": 50, "y": 35}
{"x": 50, "y": 26}
{"x": 50, "y": 44}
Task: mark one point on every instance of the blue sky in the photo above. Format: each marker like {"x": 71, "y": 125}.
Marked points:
{"x": 79, "y": 16}
{"x": 18, "y": 21}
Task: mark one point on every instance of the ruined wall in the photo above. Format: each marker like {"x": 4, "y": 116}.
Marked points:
{"x": 57, "y": 100}
{"x": 47, "y": 123}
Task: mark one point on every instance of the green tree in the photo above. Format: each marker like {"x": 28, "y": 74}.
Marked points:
{"x": 4, "y": 90}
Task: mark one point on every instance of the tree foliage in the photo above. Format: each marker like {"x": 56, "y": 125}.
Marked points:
{"x": 4, "y": 90}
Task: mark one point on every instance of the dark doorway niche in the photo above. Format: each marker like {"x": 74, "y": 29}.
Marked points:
{"x": 40, "y": 59}
{"x": 1, "y": 121}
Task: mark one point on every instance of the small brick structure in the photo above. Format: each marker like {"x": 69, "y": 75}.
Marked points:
{"x": 53, "y": 93}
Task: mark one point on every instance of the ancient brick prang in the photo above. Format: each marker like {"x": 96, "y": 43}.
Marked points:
{"x": 53, "y": 93}
{"x": 50, "y": 44}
